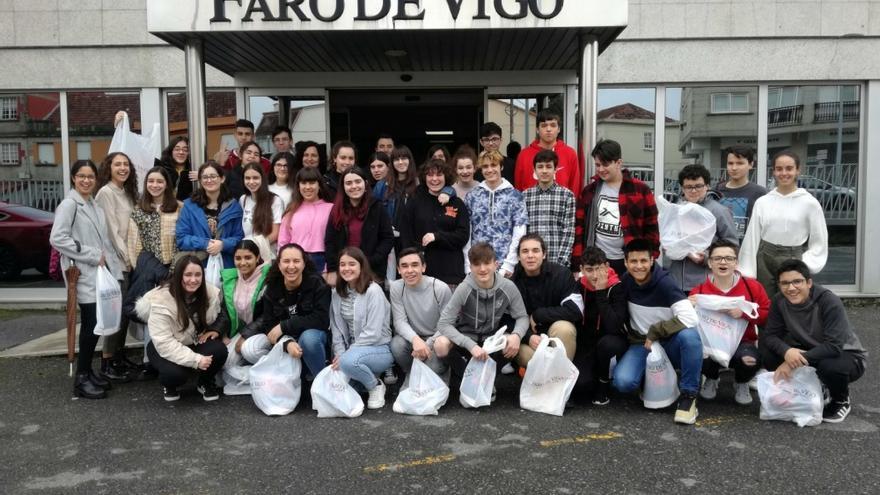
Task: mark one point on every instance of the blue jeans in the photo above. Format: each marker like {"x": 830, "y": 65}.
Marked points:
{"x": 363, "y": 363}
{"x": 685, "y": 351}
{"x": 314, "y": 346}
{"x": 319, "y": 261}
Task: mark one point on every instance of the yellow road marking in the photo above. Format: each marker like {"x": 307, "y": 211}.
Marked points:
{"x": 716, "y": 421}
{"x": 611, "y": 435}
{"x": 426, "y": 461}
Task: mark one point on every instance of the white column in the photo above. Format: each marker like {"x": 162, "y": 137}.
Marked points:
{"x": 65, "y": 143}
{"x": 869, "y": 235}
{"x": 588, "y": 85}
{"x": 195, "y": 101}
{"x": 659, "y": 139}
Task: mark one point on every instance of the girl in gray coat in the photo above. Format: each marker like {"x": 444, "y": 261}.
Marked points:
{"x": 80, "y": 235}
{"x": 360, "y": 320}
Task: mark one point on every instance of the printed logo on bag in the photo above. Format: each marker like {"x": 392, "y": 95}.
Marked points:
{"x": 551, "y": 381}
{"x": 707, "y": 318}
{"x": 337, "y": 386}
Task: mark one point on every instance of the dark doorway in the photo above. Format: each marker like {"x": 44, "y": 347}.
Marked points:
{"x": 412, "y": 117}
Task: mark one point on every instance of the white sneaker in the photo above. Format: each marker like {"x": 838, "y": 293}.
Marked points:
{"x": 376, "y": 397}
{"x": 709, "y": 389}
{"x": 742, "y": 393}
{"x": 753, "y": 383}
{"x": 508, "y": 369}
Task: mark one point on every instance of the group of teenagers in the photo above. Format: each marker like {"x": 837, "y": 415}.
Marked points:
{"x": 366, "y": 269}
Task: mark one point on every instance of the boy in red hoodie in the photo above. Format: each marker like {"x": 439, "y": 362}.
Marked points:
{"x": 605, "y": 318}
{"x": 568, "y": 172}
{"x": 725, "y": 280}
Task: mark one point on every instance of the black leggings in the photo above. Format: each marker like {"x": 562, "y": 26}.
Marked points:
{"x": 459, "y": 357}
{"x": 175, "y": 375}
{"x": 88, "y": 318}
{"x": 742, "y": 372}
{"x": 835, "y": 372}
{"x": 608, "y": 347}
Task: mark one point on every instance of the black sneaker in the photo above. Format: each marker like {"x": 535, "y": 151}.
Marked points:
{"x": 836, "y": 411}
{"x": 171, "y": 394}
{"x": 114, "y": 371}
{"x": 389, "y": 376}
{"x": 600, "y": 396}
{"x": 208, "y": 390}
{"x": 687, "y": 413}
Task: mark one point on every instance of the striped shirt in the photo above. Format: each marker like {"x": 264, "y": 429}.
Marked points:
{"x": 551, "y": 215}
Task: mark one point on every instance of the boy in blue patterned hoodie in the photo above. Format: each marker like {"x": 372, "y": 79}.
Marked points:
{"x": 498, "y": 213}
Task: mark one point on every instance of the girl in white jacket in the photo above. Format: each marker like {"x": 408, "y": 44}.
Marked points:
{"x": 788, "y": 222}
{"x": 185, "y": 322}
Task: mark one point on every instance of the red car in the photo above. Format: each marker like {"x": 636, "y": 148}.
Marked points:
{"x": 24, "y": 239}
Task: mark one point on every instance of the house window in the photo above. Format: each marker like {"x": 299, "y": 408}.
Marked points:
{"x": 8, "y": 108}
{"x": 782, "y": 97}
{"x": 648, "y": 141}
{"x": 730, "y": 102}
{"x": 46, "y": 153}
{"x": 9, "y": 154}
{"x": 83, "y": 150}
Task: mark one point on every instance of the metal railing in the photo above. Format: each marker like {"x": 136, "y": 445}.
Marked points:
{"x": 782, "y": 116}
{"x": 41, "y": 194}
{"x": 830, "y": 111}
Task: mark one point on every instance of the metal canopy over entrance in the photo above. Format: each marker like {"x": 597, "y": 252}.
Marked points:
{"x": 381, "y": 36}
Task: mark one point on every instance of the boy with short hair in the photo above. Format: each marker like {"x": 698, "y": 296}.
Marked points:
{"x": 416, "y": 303}
{"x": 385, "y": 143}
{"x": 808, "y": 326}
{"x": 474, "y": 312}
{"x": 490, "y": 139}
{"x": 738, "y": 193}
{"x": 550, "y": 208}
{"x": 605, "y": 321}
{"x": 229, "y": 159}
{"x": 498, "y": 213}
{"x": 659, "y": 314}
{"x": 694, "y": 181}
{"x": 725, "y": 280}
{"x": 568, "y": 170}
{"x": 282, "y": 139}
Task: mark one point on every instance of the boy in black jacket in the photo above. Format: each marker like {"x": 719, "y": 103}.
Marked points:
{"x": 605, "y": 319}
{"x": 808, "y": 326}
{"x": 552, "y": 298}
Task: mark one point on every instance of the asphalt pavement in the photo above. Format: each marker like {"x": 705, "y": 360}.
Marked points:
{"x": 135, "y": 442}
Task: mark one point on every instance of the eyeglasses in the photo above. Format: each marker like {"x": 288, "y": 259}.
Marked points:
{"x": 84, "y": 177}
{"x": 210, "y": 177}
{"x": 725, "y": 259}
{"x": 796, "y": 283}
{"x": 494, "y": 139}
{"x": 698, "y": 187}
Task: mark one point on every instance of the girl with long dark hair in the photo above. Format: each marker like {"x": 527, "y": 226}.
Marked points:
{"x": 243, "y": 286}
{"x": 186, "y": 320}
{"x": 261, "y": 210}
{"x": 80, "y": 234}
{"x": 210, "y": 221}
{"x": 281, "y": 176}
{"x": 305, "y": 221}
{"x": 175, "y": 160}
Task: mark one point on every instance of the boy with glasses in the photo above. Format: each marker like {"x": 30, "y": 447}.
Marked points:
{"x": 725, "y": 280}
{"x": 694, "y": 181}
{"x": 808, "y": 326}
{"x": 490, "y": 140}
{"x": 282, "y": 139}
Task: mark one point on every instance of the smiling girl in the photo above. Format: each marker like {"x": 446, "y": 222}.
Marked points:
{"x": 305, "y": 221}
{"x": 261, "y": 210}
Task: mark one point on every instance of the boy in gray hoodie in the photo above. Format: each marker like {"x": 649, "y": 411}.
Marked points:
{"x": 807, "y": 326}
{"x": 692, "y": 270}
{"x": 475, "y": 310}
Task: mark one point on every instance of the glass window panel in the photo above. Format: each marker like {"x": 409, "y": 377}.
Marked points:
{"x": 305, "y": 117}
{"x": 720, "y": 103}
{"x": 30, "y": 181}
{"x": 739, "y": 103}
{"x": 702, "y": 134}
{"x": 83, "y": 150}
{"x": 90, "y": 116}
{"x": 827, "y": 138}
{"x": 220, "y": 111}
{"x": 626, "y": 115}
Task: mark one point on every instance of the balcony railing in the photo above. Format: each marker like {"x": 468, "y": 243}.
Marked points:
{"x": 830, "y": 111}
{"x": 41, "y": 194}
{"x": 782, "y": 116}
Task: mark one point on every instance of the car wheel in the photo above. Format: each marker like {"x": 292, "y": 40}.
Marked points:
{"x": 9, "y": 267}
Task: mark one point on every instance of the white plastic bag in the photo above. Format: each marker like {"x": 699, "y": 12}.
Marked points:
{"x": 142, "y": 149}
{"x": 798, "y": 399}
{"x": 424, "y": 394}
{"x": 496, "y": 342}
{"x": 333, "y": 397}
{"x": 236, "y": 379}
{"x": 549, "y": 379}
{"x": 720, "y": 332}
{"x": 661, "y": 382}
{"x": 477, "y": 383}
{"x": 275, "y": 381}
{"x": 684, "y": 228}
{"x": 213, "y": 269}
{"x": 108, "y": 295}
